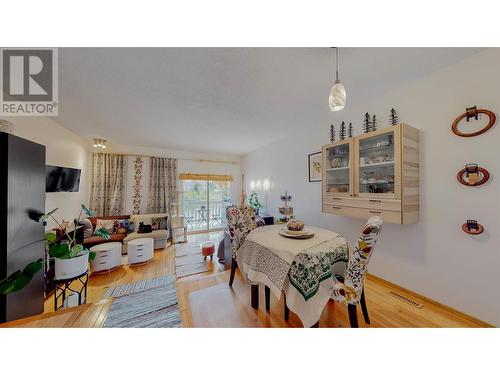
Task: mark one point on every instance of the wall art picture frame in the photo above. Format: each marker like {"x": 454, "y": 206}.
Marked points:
{"x": 314, "y": 162}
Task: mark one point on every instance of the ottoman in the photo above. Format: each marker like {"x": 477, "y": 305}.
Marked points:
{"x": 108, "y": 257}
{"x": 208, "y": 249}
{"x": 140, "y": 250}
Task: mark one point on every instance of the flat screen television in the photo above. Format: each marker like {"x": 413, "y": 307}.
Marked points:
{"x": 61, "y": 179}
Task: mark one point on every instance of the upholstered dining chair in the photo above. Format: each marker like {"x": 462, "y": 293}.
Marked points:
{"x": 240, "y": 221}
{"x": 351, "y": 289}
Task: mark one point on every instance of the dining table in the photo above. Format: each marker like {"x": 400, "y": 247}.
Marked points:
{"x": 304, "y": 269}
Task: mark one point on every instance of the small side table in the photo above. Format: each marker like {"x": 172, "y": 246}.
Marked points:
{"x": 65, "y": 288}
{"x": 108, "y": 257}
{"x": 178, "y": 223}
{"x": 140, "y": 251}
{"x": 269, "y": 220}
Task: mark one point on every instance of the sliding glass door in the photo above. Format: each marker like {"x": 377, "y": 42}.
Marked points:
{"x": 203, "y": 204}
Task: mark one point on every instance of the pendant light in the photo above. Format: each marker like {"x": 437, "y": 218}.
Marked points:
{"x": 338, "y": 96}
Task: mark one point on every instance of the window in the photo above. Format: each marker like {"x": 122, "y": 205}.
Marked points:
{"x": 203, "y": 201}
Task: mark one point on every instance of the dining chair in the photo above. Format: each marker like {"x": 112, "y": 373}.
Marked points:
{"x": 240, "y": 221}
{"x": 351, "y": 290}
{"x": 349, "y": 285}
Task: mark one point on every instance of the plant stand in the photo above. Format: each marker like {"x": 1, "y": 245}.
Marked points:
{"x": 64, "y": 288}
{"x": 178, "y": 223}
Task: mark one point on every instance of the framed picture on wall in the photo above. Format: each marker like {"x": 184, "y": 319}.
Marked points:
{"x": 314, "y": 163}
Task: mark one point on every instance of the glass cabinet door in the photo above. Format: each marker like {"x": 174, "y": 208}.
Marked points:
{"x": 377, "y": 164}
{"x": 337, "y": 169}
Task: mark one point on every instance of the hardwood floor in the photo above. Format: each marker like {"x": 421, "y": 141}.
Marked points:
{"x": 210, "y": 302}
{"x": 206, "y": 300}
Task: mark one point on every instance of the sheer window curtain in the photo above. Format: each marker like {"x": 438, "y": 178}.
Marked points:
{"x": 107, "y": 194}
{"x": 162, "y": 185}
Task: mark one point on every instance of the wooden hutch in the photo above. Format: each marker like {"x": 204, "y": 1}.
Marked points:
{"x": 374, "y": 174}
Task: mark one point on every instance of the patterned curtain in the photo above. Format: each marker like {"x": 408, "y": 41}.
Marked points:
{"x": 107, "y": 194}
{"x": 162, "y": 184}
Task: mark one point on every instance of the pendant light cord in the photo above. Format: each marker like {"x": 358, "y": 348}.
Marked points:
{"x": 337, "y": 65}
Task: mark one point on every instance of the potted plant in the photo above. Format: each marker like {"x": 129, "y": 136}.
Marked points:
{"x": 254, "y": 202}
{"x": 71, "y": 259}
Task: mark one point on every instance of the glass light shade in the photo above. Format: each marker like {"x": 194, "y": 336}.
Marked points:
{"x": 337, "y": 97}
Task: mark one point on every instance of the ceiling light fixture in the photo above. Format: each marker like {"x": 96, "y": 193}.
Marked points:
{"x": 338, "y": 96}
{"x": 99, "y": 143}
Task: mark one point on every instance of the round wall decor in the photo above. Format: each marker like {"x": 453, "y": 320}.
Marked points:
{"x": 468, "y": 114}
{"x": 473, "y": 175}
{"x": 472, "y": 227}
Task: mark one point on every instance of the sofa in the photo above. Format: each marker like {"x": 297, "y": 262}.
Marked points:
{"x": 159, "y": 236}
{"x": 115, "y": 237}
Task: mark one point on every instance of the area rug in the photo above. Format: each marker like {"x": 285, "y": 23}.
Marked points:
{"x": 120, "y": 290}
{"x": 188, "y": 260}
{"x": 151, "y": 308}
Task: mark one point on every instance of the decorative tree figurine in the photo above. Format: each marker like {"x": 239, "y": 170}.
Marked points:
{"x": 393, "y": 118}
{"x": 349, "y": 131}
{"x": 332, "y": 133}
{"x": 373, "y": 126}
{"x": 342, "y": 131}
{"x": 366, "y": 123}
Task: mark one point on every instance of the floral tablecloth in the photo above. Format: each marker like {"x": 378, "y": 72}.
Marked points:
{"x": 303, "y": 269}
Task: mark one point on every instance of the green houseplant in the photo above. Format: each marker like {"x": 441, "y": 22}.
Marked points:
{"x": 253, "y": 202}
{"x": 69, "y": 256}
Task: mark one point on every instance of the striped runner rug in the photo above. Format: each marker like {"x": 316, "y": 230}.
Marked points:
{"x": 150, "y": 308}
{"x": 188, "y": 259}
{"x": 120, "y": 290}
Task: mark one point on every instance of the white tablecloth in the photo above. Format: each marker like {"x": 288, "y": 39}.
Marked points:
{"x": 303, "y": 269}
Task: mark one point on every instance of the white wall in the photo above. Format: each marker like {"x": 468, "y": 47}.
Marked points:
{"x": 63, "y": 148}
{"x": 434, "y": 258}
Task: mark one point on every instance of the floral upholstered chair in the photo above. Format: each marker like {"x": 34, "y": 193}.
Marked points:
{"x": 351, "y": 290}
{"x": 240, "y": 221}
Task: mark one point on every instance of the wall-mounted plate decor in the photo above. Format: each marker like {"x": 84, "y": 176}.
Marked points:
{"x": 473, "y": 112}
{"x": 472, "y": 227}
{"x": 473, "y": 175}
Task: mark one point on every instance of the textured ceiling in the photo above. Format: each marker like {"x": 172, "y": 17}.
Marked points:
{"x": 224, "y": 100}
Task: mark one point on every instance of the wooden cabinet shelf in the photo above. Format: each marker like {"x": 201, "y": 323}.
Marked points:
{"x": 374, "y": 174}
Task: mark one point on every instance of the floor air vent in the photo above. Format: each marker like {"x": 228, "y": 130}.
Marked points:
{"x": 406, "y": 299}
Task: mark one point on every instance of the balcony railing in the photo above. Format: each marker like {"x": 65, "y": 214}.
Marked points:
{"x": 199, "y": 216}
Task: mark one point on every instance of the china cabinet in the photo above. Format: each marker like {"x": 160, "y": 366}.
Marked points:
{"x": 374, "y": 174}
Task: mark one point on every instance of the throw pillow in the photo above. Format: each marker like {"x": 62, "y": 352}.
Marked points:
{"x": 88, "y": 229}
{"x": 122, "y": 226}
{"x": 158, "y": 223}
{"x": 107, "y": 225}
